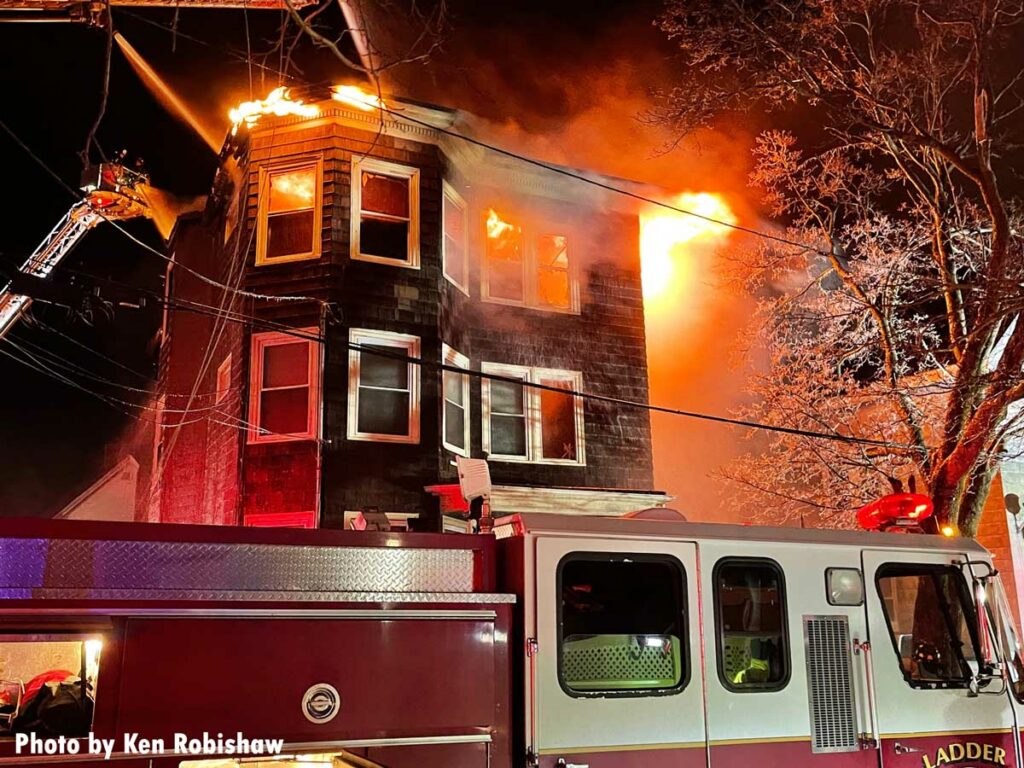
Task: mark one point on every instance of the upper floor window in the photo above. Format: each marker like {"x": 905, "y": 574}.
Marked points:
{"x": 284, "y": 391}
{"x": 522, "y": 423}
{"x": 289, "y": 212}
{"x": 750, "y": 606}
{"x": 384, "y": 387}
{"x": 621, "y": 624}
{"x": 527, "y": 268}
{"x": 456, "y": 402}
{"x": 385, "y": 212}
{"x": 456, "y": 238}
{"x": 929, "y": 612}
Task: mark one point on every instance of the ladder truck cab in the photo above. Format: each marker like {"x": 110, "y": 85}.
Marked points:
{"x": 555, "y": 640}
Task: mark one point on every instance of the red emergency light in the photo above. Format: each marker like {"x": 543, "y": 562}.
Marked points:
{"x": 897, "y": 510}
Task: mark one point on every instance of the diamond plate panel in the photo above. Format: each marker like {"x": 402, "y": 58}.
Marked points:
{"x": 80, "y": 564}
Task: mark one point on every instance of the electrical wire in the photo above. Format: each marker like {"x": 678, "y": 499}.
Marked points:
{"x": 226, "y": 316}
{"x": 583, "y": 395}
{"x": 171, "y": 30}
{"x": 36, "y": 322}
{"x": 69, "y": 366}
{"x": 576, "y": 175}
{"x": 78, "y": 194}
{"x": 185, "y": 305}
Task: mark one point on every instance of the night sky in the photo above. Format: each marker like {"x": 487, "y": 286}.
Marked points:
{"x": 564, "y": 81}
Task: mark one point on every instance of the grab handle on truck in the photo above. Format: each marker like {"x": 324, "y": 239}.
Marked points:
{"x": 864, "y": 649}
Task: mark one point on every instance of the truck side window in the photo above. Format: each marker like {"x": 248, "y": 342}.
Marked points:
{"x": 48, "y": 684}
{"x": 750, "y": 612}
{"x": 621, "y": 624}
{"x": 929, "y": 614}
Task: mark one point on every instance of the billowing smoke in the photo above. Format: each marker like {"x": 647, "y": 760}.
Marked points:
{"x": 577, "y": 92}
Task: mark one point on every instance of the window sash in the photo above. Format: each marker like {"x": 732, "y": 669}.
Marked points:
{"x": 460, "y": 244}
{"x": 408, "y": 345}
{"x": 531, "y": 414}
{"x": 451, "y": 357}
{"x": 260, "y": 343}
{"x": 531, "y": 270}
{"x": 265, "y": 216}
{"x": 409, "y": 174}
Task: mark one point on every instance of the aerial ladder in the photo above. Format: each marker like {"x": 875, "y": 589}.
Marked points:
{"x": 93, "y": 11}
{"x": 111, "y": 192}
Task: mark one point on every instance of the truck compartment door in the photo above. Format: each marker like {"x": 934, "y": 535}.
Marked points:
{"x": 617, "y": 662}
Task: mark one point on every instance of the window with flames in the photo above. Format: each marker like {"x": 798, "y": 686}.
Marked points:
{"x": 525, "y": 268}
{"x": 289, "y": 213}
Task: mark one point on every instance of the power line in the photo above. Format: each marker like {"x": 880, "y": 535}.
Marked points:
{"x": 171, "y": 30}
{"x": 270, "y": 325}
{"x": 145, "y": 246}
{"x": 572, "y": 174}
{"x": 49, "y": 328}
{"x": 608, "y": 399}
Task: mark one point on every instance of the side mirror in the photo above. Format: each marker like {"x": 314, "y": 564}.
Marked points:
{"x": 989, "y": 665}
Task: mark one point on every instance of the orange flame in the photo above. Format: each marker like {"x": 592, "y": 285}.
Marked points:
{"x": 664, "y": 233}
{"x": 496, "y": 226}
{"x": 277, "y": 103}
{"x": 356, "y": 97}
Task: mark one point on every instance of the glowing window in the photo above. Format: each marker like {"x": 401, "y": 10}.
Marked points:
{"x": 553, "y": 288}
{"x": 455, "y": 388}
{"x": 535, "y": 424}
{"x": 284, "y": 388}
{"x": 289, "y": 213}
{"x": 505, "y": 263}
{"x": 557, "y": 419}
{"x": 527, "y": 269}
{"x": 383, "y": 387}
{"x": 386, "y": 197}
{"x": 456, "y": 242}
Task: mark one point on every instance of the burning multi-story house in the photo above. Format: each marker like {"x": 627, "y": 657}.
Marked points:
{"x": 369, "y": 256}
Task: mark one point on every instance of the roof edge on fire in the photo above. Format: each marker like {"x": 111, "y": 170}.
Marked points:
{"x": 462, "y": 136}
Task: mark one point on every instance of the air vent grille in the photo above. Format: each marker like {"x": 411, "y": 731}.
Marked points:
{"x": 830, "y": 684}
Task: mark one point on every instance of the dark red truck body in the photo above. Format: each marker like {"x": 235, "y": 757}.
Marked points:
{"x": 209, "y": 629}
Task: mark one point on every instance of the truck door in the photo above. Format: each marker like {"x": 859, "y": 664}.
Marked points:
{"x": 923, "y": 651}
{"x": 617, "y": 678}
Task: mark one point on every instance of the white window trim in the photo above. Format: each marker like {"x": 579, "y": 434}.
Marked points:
{"x": 409, "y": 345}
{"x": 261, "y": 341}
{"x": 223, "y": 372}
{"x": 531, "y": 404}
{"x": 448, "y": 191}
{"x": 530, "y": 271}
{"x": 450, "y": 357}
{"x": 373, "y": 165}
{"x": 263, "y": 212}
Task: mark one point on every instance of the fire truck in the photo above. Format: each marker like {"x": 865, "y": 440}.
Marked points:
{"x": 552, "y": 640}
